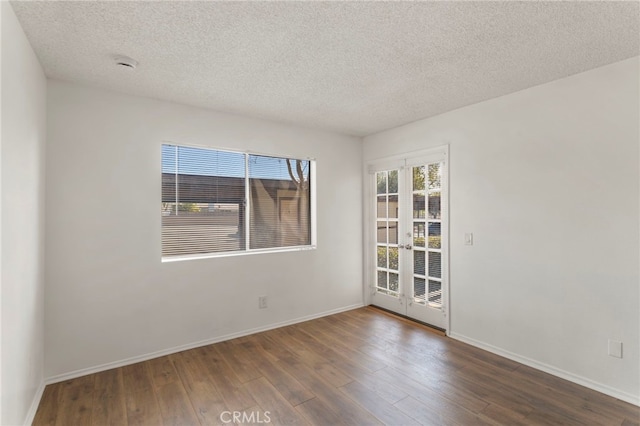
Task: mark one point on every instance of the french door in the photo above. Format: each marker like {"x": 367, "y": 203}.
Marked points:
{"x": 409, "y": 240}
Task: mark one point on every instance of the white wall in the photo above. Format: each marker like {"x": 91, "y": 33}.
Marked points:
{"x": 23, "y": 138}
{"x": 547, "y": 180}
{"x": 109, "y": 298}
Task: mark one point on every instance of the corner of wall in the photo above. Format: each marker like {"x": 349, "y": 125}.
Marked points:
{"x": 23, "y": 133}
{"x": 33, "y": 408}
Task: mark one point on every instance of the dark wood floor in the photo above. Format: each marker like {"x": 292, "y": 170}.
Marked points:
{"x": 359, "y": 367}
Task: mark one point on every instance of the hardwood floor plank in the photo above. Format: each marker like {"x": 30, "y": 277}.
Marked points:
{"x": 188, "y": 367}
{"x": 435, "y": 371}
{"x": 382, "y": 327}
{"x": 437, "y": 377}
{"x": 382, "y": 389}
{"x": 140, "y": 399}
{"x": 48, "y": 408}
{"x": 578, "y": 396}
{"x": 443, "y": 383}
{"x": 493, "y": 394}
{"x": 207, "y": 402}
{"x": 109, "y": 406}
{"x": 217, "y": 365}
{"x": 350, "y": 412}
{"x": 235, "y": 396}
{"x": 385, "y": 412}
{"x": 162, "y": 371}
{"x": 548, "y": 401}
{"x": 206, "y": 399}
{"x": 175, "y": 406}
{"x": 350, "y": 332}
{"x": 85, "y": 382}
{"x": 241, "y": 362}
{"x": 456, "y": 392}
{"x": 251, "y": 416}
{"x": 342, "y": 332}
{"x": 542, "y": 417}
{"x": 290, "y": 388}
{"x": 345, "y": 348}
{"x": 372, "y": 311}
{"x": 446, "y": 408}
{"x": 318, "y": 412}
{"x": 304, "y": 354}
{"x": 466, "y": 354}
{"x": 453, "y": 415}
{"x": 503, "y": 416}
{"x": 142, "y": 408}
{"x": 76, "y": 401}
{"x": 414, "y": 338}
{"x": 137, "y": 377}
{"x": 424, "y": 415}
{"x": 280, "y": 411}
{"x": 272, "y": 347}
{"x": 348, "y": 366}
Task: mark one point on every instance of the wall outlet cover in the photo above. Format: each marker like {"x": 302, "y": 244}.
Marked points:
{"x": 615, "y": 348}
{"x": 262, "y": 302}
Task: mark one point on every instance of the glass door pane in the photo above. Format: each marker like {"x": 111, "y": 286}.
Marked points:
{"x": 427, "y": 244}
{"x": 434, "y": 221}
{"x": 387, "y": 266}
{"x": 419, "y": 237}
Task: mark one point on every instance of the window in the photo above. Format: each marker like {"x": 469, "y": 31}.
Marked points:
{"x": 216, "y": 201}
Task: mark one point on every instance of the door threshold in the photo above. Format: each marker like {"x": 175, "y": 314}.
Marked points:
{"x": 429, "y": 327}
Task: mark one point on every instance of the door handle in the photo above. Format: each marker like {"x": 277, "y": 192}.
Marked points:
{"x": 408, "y": 246}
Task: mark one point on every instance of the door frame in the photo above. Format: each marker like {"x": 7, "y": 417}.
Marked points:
{"x": 398, "y": 161}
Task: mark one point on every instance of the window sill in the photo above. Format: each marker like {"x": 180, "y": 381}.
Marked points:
{"x": 168, "y": 259}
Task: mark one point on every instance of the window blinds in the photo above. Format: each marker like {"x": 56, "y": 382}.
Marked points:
{"x": 219, "y": 201}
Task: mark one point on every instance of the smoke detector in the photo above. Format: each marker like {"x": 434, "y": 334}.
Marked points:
{"x": 126, "y": 62}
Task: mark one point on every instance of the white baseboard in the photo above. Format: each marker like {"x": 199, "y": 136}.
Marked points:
{"x": 599, "y": 387}
{"x": 31, "y": 414}
{"x": 146, "y": 357}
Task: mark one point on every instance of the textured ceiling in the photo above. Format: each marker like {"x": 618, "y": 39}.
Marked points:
{"x": 352, "y": 67}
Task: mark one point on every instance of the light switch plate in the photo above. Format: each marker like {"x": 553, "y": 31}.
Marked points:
{"x": 468, "y": 239}
{"x": 615, "y": 348}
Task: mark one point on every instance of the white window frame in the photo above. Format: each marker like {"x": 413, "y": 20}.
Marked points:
{"x": 247, "y": 250}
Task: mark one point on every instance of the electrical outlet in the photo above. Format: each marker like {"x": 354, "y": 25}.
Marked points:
{"x": 615, "y": 348}
{"x": 262, "y": 302}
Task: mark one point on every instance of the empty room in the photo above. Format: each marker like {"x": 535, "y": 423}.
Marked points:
{"x": 317, "y": 213}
